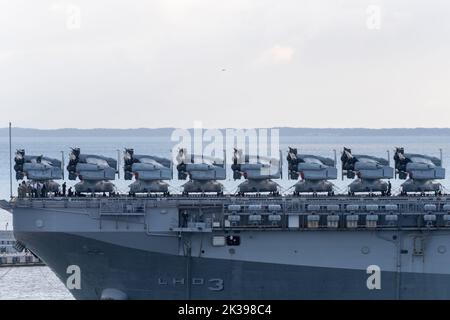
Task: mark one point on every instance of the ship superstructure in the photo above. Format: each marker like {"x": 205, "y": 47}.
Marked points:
{"x": 255, "y": 244}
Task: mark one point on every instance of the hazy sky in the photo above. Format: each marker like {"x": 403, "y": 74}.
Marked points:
{"x": 227, "y": 63}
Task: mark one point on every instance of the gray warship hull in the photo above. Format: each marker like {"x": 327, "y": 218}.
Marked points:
{"x": 143, "y": 249}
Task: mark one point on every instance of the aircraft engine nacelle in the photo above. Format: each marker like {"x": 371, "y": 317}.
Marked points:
{"x": 203, "y": 171}
{"x": 365, "y": 167}
{"x": 315, "y": 171}
{"x": 36, "y": 167}
{"x": 144, "y": 171}
{"x": 146, "y": 167}
{"x": 260, "y": 168}
{"x": 417, "y": 166}
{"x": 87, "y": 171}
{"x": 260, "y": 171}
{"x": 199, "y": 168}
{"x": 373, "y": 171}
{"x": 91, "y": 167}
{"x": 425, "y": 171}
{"x": 40, "y": 171}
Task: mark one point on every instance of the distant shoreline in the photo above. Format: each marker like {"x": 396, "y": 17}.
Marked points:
{"x": 166, "y": 132}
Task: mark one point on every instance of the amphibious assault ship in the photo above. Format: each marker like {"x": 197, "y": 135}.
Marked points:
{"x": 202, "y": 243}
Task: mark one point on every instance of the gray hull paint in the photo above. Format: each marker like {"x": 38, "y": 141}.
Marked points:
{"x": 142, "y": 247}
{"x": 143, "y": 274}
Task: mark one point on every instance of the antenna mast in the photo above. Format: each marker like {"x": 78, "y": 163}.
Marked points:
{"x": 62, "y": 164}
{"x": 118, "y": 163}
{"x": 10, "y": 163}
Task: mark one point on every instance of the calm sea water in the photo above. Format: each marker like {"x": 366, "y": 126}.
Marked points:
{"x": 31, "y": 283}
{"x": 41, "y": 283}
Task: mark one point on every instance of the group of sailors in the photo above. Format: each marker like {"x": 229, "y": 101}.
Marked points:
{"x": 36, "y": 189}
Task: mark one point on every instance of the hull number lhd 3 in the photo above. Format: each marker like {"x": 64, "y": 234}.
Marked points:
{"x": 213, "y": 284}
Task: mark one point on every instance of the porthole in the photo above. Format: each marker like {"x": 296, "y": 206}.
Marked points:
{"x": 365, "y": 250}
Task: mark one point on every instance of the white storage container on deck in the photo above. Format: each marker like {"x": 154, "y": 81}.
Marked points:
{"x": 372, "y": 207}
{"x": 274, "y": 207}
{"x": 332, "y": 207}
{"x": 313, "y": 221}
{"x": 218, "y": 241}
{"x": 371, "y": 221}
{"x": 391, "y": 207}
{"x": 234, "y": 207}
{"x": 391, "y": 219}
{"x": 293, "y": 221}
{"x": 429, "y": 207}
{"x": 254, "y": 219}
{"x": 332, "y": 221}
{"x": 352, "y": 207}
{"x": 254, "y": 207}
{"x": 313, "y": 207}
{"x": 352, "y": 220}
